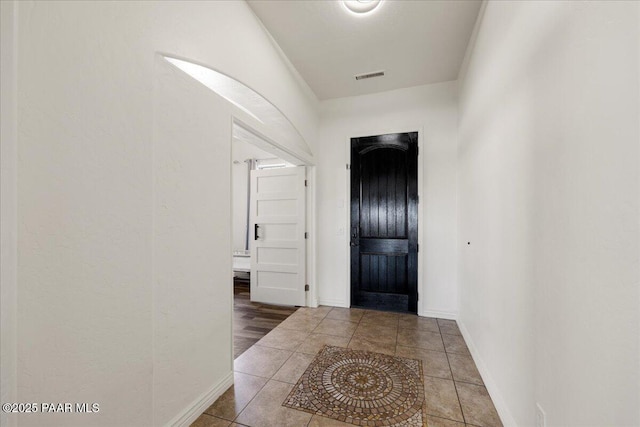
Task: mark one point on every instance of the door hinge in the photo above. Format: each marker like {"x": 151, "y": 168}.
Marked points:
{"x": 348, "y": 166}
{"x": 306, "y": 287}
{"x": 417, "y": 151}
{"x": 418, "y": 197}
{"x": 418, "y": 248}
{"x": 417, "y": 295}
{"x": 306, "y": 235}
{"x": 305, "y": 182}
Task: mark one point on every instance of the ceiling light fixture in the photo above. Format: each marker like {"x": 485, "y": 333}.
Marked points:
{"x": 361, "y": 6}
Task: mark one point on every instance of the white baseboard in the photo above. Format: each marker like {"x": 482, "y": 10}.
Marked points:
{"x": 439, "y": 314}
{"x": 333, "y": 302}
{"x": 497, "y": 398}
{"x": 190, "y": 414}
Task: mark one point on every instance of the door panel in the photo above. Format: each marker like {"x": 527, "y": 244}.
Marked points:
{"x": 273, "y": 184}
{"x": 384, "y": 222}
{"x": 383, "y": 193}
{"x": 277, "y": 280}
{"x": 278, "y": 243}
{"x": 383, "y": 273}
{"x": 282, "y": 256}
{"x": 276, "y": 232}
{"x": 277, "y": 206}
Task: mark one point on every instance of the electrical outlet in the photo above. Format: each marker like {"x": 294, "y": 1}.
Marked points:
{"x": 541, "y": 416}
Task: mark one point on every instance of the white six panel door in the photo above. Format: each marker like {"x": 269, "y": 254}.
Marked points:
{"x": 278, "y": 241}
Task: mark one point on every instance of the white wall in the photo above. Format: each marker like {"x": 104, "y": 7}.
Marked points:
{"x": 548, "y": 197}
{"x": 8, "y": 212}
{"x": 124, "y": 244}
{"x": 192, "y": 296}
{"x": 431, "y": 110}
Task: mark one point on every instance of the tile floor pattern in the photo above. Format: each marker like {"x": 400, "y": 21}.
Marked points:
{"x": 362, "y": 388}
{"x": 266, "y": 373}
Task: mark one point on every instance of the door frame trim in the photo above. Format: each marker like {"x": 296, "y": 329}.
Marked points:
{"x": 301, "y": 160}
{"x": 421, "y": 225}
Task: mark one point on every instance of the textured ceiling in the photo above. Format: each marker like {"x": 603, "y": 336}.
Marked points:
{"x": 415, "y": 42}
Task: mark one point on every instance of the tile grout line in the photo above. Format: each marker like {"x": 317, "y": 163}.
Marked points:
{"x": 468, "y": 382}
{"x": 357, "y": 326}
{"x": 455, "y": 421}
{"x": 217, "y": 418}
{"x": 251, "y": 400}
{"x": 453, "y": 380}
{"x": 395, "y": 349}
{"x": 312, "y": 415}
{"x": 464, "y": 418}
{"x": 263, "y": 386}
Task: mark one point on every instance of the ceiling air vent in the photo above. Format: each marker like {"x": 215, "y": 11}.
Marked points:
{"x": 370, "y": 75}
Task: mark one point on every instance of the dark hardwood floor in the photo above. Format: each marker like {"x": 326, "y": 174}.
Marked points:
{"x": 252, "y": 320}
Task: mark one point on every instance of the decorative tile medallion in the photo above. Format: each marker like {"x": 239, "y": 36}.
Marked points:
{"x": 361, "y": 388}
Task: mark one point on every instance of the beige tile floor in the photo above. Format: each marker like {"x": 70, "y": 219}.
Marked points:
{"x": 266, "y": 372}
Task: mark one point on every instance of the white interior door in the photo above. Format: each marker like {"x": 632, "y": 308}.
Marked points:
{"x": 278, "y": 236}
